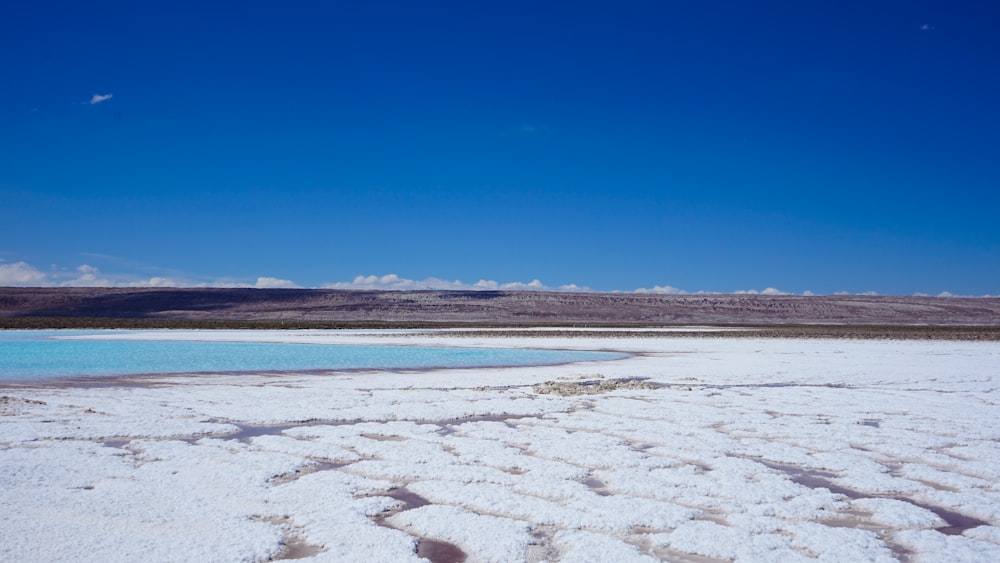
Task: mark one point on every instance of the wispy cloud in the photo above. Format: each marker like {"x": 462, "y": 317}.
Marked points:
{"x": 671, "y": 290}
{"x": 88, "y": 276}
{"x": 98, "y": 98}
{"x": 275, "y": 283}
{"x": 955, "y": 295}
{"x": 20, "y": 274}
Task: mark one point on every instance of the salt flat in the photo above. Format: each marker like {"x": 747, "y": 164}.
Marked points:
{"x": 694, "y": 449}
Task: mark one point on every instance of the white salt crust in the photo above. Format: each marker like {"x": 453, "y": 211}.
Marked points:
{"x": 748, "y": 450}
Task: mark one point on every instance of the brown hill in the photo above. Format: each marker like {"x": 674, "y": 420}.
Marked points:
{"x": 488, "y": 307}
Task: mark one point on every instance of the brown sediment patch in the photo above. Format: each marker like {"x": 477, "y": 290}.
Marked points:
{"x": 677, "y": 556}
{"x": 8, "y": 400}
{"x": 298, "y": 548}
{"x": 542, "y": 548}
{"x": 699, "y": 466}
{"x": 434, "y": 550}
{"x": 857, "y": 519}
{"x": 485, "y": 418}
{"x": 449, "y": 426}
{"x": 409, "y": 499}
{"x": 814, "y": 479}
{"x": 957, "y": 522}
{"x": 10, "y": 406}
{"x": 711, "y": 517}
{"x": 118, "y": 444}
{"x": 248, "y": 431}
{"x": 293, "y": 546}
{"x": 439, "y": 551}
{"x": 87, "y": 382}
{"x": 597, "y": 486}
{"x": 314, "y": 467}
{"x": 384, "y": 438}
{"x": 593, "y": 386}
{"x": 639, "y": 537}
{"x": 936, "y": 486}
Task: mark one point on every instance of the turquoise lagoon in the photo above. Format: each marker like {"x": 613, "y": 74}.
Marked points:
{"x": 46, "y": 355}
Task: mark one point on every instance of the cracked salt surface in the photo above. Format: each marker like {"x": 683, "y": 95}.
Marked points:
{"x": 749, "y": 450}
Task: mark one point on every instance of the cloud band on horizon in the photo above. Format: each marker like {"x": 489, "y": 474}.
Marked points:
{"x": 23, "y": 274}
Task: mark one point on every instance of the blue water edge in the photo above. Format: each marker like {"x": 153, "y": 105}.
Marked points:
{"x": 33, "y": 355}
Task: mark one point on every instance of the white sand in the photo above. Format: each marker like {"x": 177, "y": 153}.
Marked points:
{"x": 734, "y": 457}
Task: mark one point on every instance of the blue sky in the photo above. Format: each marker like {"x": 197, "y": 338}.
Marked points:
{"x": 674, "y": 146}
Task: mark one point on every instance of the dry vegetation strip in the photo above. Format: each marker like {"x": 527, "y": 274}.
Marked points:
{"x": 510, "y": 329}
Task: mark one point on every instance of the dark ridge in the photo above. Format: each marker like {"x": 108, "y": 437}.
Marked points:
{"x": 324, "y": 308}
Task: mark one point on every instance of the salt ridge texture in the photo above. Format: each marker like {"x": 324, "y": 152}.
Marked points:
{"x": 747, "y": 450}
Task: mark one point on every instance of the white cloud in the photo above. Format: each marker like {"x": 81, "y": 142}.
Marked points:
{"x": 392, "y": 282}
{"x": 98, "y": 98}
{"x": 395, "y": 283}
{"x": 533, "y": 285}
{"x": 21, "y": 273}
{"x": 275, "y": 283}
{"x": 90, "y": 276}
{"x": 85, "y": 275}
{"x": 661, "y": 290}
{"x": 927, "y": 27}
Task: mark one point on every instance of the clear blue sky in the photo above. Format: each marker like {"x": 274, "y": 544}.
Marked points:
{"x": 820, "y": 146}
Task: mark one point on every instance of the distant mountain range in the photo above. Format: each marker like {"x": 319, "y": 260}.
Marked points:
{"x": 500, "y": 308}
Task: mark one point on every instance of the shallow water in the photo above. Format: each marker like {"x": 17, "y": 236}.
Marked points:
{"x": 39, "y": 355}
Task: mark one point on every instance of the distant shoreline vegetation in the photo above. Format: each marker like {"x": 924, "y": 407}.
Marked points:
{"x": 525, "y": 329}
